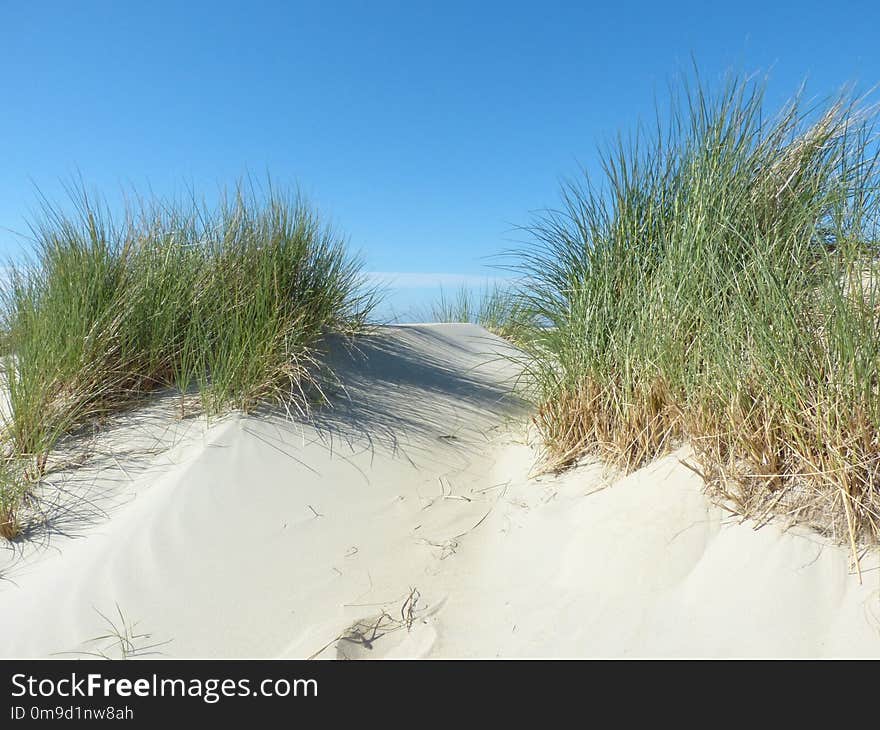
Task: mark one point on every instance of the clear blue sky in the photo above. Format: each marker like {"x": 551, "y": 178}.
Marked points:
{"x": 425, "y": 130}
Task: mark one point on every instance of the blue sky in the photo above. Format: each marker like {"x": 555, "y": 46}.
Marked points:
{"x": 427, "y": 131}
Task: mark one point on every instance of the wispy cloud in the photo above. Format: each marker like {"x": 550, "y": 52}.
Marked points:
{"x": 426, "y": 279}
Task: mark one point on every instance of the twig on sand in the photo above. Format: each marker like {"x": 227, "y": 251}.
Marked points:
{"x": 483, "y": 518}
{"x": 450, "y": 545}
{"x": 367, "y": 631}
{"x": 494, "y": 486}
{"x": 407, "y": 610}
{"x": 123, "y": 640}
{"x": 447, "y": 547}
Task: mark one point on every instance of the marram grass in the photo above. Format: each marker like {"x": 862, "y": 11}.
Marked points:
{"x": 232, "y": 302}
{"x": 718, "y": 285}
{"x": 497, "y": 307}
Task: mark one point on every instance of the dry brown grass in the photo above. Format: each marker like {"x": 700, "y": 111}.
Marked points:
{"x": 590, "y": 419}
{"x": 10, "y": 527}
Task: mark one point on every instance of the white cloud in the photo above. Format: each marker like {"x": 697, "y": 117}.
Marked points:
{"x": 426, "y": 280}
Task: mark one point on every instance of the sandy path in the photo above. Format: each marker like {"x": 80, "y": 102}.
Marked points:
{"x": 403, "y": 523}
{"x": 251, "y": 537}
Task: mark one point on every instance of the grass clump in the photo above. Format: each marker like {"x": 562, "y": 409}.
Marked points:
{"x": 496, "y": 307}
{"x": 12, "y": 493}
{"x": 231, "y": 301}
{"x": 719, "y": 285}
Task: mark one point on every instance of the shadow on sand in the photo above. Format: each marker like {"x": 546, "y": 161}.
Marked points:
{"x": 409, "y": 390}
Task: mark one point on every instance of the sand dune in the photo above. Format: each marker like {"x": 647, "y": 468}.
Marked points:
{"x": 403, "y": 522}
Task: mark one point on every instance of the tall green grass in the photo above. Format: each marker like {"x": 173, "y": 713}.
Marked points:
{"x": 718, "y": 284}
{"x": 231, "y": 301}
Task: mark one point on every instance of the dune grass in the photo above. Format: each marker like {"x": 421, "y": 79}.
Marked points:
{"x": 717, "y": 285}
{"x": 231, "y": 302}
{"x": 497, "y": 307}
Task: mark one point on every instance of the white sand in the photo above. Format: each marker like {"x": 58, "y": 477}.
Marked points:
{"x": 259, "y": 537}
